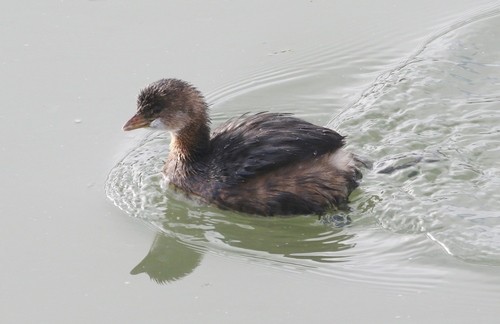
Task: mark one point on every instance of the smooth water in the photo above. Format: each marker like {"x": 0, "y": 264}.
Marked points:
{"x": 431, "y": 127}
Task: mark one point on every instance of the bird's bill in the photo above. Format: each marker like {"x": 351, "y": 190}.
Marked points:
{"x": 135, "y": 122}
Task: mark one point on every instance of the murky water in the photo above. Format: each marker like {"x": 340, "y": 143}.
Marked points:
{"x": 431, "y": 127}
{"x": 413, "y": 84}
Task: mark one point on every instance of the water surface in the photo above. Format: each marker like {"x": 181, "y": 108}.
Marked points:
{"x": 430, "y": 125}
{"x": 411, "y": 83}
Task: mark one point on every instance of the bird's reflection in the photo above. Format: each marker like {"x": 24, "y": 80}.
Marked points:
{"x": 168, "y": 259}
{"x": 173, "y": 255}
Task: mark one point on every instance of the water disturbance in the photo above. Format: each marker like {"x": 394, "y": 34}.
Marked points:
{"x": 431, "y": 126}
{"x": 440, "y": 112}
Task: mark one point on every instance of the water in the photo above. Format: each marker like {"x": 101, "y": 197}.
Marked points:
{"x": 413, "y": 84}
{"x": 430, "y": 125}
{"x": 441, "y": 105}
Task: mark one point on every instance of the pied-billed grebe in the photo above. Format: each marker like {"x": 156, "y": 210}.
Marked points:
{"x": 266, "y": 163}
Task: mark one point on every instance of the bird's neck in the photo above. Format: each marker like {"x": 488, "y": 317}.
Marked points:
{"x": 191, "y": 142}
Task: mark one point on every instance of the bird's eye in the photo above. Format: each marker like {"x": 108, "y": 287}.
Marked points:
{"x": 149, "y": 112}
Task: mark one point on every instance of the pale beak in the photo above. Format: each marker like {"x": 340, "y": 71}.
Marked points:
{"x": 136, "y": 122}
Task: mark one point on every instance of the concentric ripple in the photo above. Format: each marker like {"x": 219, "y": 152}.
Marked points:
{"x": 432, "y": 127}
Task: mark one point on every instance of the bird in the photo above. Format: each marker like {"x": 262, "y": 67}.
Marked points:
{"x": 263, "y": 163}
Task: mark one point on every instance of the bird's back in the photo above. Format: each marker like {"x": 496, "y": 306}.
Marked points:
{"x": 275, "y": 164}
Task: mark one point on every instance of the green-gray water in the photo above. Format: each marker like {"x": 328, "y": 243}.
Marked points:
{"x": 411, "y": 84}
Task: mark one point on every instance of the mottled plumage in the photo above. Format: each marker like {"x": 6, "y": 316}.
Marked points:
{"x": 265, "y": 163}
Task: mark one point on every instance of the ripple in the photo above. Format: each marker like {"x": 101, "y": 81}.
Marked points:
{"x": 360, "y": 252}
{"x": 440, "y": 105}
{"x": 431, "y": 123}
